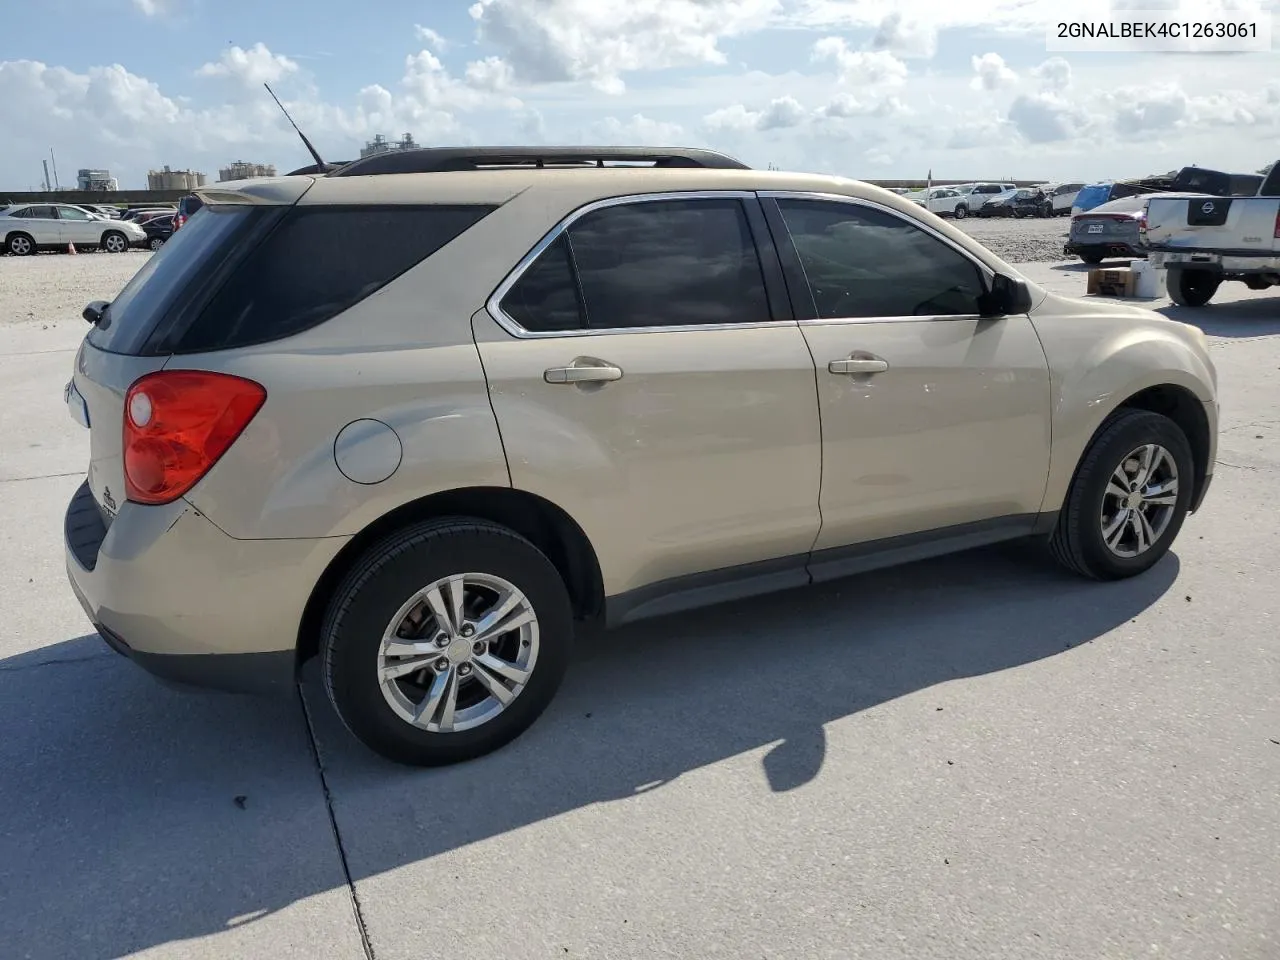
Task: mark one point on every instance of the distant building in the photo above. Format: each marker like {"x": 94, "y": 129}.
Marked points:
{"x": 96, "y": 180}
{"x": 240, "y": 170}
{"x": 167, "y": 179}
{"x": 380, "y": 144}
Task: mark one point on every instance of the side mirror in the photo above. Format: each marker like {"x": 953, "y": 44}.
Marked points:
{"x": 1007, "y": 296}
{"x": 94, "y": 311}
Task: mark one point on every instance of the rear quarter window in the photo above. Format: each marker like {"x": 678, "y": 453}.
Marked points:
{"x": 316, "y": 263}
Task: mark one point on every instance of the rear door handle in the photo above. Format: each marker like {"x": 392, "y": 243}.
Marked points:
{"x": 858, "y": 366}
{"x": 584, "y": 370}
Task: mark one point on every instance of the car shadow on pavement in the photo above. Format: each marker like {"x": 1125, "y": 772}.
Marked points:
{"x": 136, "y": 816}
{"x": 653, "y": 701}
{"x": 120, "y": 828}
{"x": 1255, "y": 317}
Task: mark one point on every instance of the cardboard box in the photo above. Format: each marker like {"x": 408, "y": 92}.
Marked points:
{"x": 1110, "y": 282}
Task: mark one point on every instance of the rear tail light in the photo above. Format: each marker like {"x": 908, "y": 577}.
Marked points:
{"x": 177, "y": 423}
{"x": 1276, "y": 234}
{"x": 178, "y": 221}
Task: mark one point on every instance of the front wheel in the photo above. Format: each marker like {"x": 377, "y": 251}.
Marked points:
{"x": 447, "y": 641}
{"x": 113, "y": 241}
{"x": 961, "y": 212}
{"x": 1128, "y": 498}
{"x": 1192, "y": 288}
{"x": 155, "y": 243}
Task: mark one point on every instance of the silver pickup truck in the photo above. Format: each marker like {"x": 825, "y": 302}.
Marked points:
{"x": 1205, "y": 240}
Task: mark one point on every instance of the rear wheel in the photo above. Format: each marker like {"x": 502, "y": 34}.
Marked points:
{"x": 20, "y": 245}
{"x": 1091, "y": 257}
{"x": 446, "y": 641}
{"x": 1192, "y": 288}
{"x": 113, "y": 241}
{"x": 1128, "y": 498}
{"x": 155, "y": 243}
{"x": 961, "y": 212}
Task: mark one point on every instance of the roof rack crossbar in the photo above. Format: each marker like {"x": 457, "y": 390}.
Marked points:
{"x": 447, "y": 159}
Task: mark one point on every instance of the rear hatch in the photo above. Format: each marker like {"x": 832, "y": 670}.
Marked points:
{"x": 1094, "y": 228}
{"x": 131, "y": 339}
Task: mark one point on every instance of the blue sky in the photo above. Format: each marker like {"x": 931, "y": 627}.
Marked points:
{"x": 864, "y": 88}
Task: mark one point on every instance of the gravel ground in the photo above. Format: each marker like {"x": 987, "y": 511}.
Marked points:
{"x": 1019, "y": 241}
{"x": 53, "y": 288}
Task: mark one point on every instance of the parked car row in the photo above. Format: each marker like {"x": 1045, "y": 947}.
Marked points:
{"x": 25, "y": 230}
{"x": 1112, "y": 219}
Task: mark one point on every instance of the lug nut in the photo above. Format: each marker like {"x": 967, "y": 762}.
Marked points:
{"x": 464, "y": 670}
{"x": 477, "y": 648}
{"x": 442, "y": 640}
{"x": 468, "y": 630}
{"x": 442, "y": 665}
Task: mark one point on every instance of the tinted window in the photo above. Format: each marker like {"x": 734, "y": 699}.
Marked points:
{"x": 668, "y": 263}
{"x": 39, "y": 213}
{"x": 861, "y": 262}
{"x": 545, "y": 298}
{"x": 316, "y": 263}
{"x": 73, "y": 213}
{"x": 133, "y": 315}
{"x": 189, "y": 205}
{"x": 1121, "y": 190}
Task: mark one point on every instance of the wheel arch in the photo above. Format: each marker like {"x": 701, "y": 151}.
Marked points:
{"x": 538, "y": 520}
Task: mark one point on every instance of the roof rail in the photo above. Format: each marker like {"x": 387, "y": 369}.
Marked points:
{"x": 315, "y": 168}
{"x": 445, "y": 159}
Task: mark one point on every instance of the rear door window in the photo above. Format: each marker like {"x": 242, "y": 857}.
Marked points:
{"x": 318, "y": 262}
{"x": 655, "y": 263}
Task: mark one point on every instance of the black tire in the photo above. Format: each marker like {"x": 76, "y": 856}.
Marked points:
{"x": 155, "y": 243}
{"x": 1077, "y": 542}
{"x": 21, "y": 245}
{"x": 114, "y": 238}
{"x": 1092, "y": 258}
{"x": 962, "y": 211}
{"x": 388, "y": 576}
{"x": 1192, "y": 288}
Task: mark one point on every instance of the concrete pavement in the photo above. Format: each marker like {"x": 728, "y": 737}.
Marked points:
{"x": 975, "y": 757}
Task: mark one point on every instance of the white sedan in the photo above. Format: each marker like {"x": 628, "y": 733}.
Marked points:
{"x": 944, "y": 201}
{"x": 25, "y": 230}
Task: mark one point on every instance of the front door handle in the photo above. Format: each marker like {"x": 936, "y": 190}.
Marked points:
{"x": 858, "y": 366}
{"x": 584, "y": 370}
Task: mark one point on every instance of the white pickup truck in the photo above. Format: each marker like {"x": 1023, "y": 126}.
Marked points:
{"x": 1205, "y": 240}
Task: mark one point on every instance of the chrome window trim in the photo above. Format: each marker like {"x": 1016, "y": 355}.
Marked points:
{"x": 508, "y": 323}
{"x": 986, "y": 272}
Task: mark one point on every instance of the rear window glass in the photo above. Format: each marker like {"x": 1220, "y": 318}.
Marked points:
{"x": 133, "y": 315}
{"x": 318, "y": 262}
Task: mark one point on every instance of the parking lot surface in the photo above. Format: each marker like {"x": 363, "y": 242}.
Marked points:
{"x": 973, "y": 757}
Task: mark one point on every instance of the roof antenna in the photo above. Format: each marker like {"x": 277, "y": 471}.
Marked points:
{"x": 322, "y": 167}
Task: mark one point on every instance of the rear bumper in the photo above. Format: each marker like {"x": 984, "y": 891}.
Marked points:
{"x": 1110, "y": 248}
{"x": 169, "y": 590}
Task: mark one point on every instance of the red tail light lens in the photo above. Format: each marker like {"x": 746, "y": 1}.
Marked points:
{"x": 177, "y": 423}
{"x": 1276, "y": 234}
{"x": 178, "y": 221}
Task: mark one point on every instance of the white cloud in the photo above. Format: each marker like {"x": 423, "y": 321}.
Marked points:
{"x": 431, "y": 38}
{"x": 492, "y": 73}
{"x": 991, "y": 73}
{"x": 1047, "y": 118}
{"x": 150, "y": 8}
{"x": 859, "y": 68}
{"x": 252, "y": 67}
{"x": 996, "y": 15}
{"x": 597, "y": 41}
{"x": 1054, "y": 75}
{"x": 781, "y": 113}
{"x": 639, "y": 130}
{"x": 906, "y": 38}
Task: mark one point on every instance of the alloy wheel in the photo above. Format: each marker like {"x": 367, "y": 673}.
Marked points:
{"x": 458, "y": 652}
{"x": 1140, "y": 501}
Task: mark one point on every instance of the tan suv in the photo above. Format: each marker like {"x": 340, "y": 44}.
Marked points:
{"x": 420, "y": 415}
